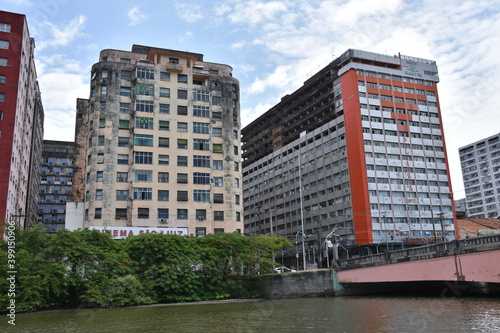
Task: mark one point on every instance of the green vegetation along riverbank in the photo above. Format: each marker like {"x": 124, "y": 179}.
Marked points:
{"x": 88, "y": 268}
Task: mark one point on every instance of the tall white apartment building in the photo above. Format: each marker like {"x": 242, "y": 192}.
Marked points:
{"x": 480, "y": 163}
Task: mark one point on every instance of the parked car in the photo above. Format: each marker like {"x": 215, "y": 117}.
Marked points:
{"x": 283, "y": 270}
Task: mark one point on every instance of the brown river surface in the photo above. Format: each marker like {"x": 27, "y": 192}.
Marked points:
{"x": 336, "y": 314}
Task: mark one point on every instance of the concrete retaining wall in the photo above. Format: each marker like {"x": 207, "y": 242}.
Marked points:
{"x": 311, "y": 283}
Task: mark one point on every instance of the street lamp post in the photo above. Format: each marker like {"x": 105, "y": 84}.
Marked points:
{"x": 272, "y": 234}
{"x": 302, "y": 213}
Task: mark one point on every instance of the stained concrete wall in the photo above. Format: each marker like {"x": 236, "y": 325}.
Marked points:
{"x": 312, "y": 283}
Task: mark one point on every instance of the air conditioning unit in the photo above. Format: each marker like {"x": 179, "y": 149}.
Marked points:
{"x": 200, "y": 218}
{"x": 163, "y": 220}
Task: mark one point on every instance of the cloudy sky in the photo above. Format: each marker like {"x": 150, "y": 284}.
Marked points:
{"x": 274, "y": 46}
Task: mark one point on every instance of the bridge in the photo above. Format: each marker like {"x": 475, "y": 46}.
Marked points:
{"x": 459, "y": 267}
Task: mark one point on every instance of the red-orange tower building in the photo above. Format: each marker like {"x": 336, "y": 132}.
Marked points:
{"x": 367, "y": 133}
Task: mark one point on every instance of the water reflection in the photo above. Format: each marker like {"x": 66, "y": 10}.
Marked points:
{"x": 338, "y": 314}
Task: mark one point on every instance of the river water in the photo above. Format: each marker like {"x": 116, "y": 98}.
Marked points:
{"x": 336, "y": 314}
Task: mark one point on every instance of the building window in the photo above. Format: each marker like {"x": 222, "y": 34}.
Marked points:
{"x": 143, "y": 140}
{"x": 98, "y": 194}
{"x": 142, "y": 193}
{"x": 145, "y": 73}
{"x": 99, "y": 176}
{"x": 162, "y": 177}
{"x": 201, "y": 161}
{"x": 143, "y": 213}
{"x": 182, "y": 214}
{"x": 201, "y": 195}
{"x": 144, "y": 122}
{"x": 98, "y": 213}
{"x": 218, "y": 198}
{"x": 4, "y": 27}
{"x": 182, "y": 143}
{"x": 164, "y": 142}
{"x": 123, "y": 141}
{"x": 201, "y": 231}
{"x": 164, "y": 108}
{"x": 182, "y": 94}
{"x": 182, "y": 110}
{"x": 237, "y": 182}
{"x": 182, "y": 196}
{"x": 121, "y": 213}
{"x": 201, "y": 95}
{"x": 122, "y": 177}
{"x": 201, "y": 178}
{"x": 102, "y": 122}
{"x": 218, "y": 181}
{"x": 125, "y": 91}
{"x": 163, "y": 159}
{"x": 164, "y": 125}
{"x": 144, "y": 89}
{"x": 216, "y": 100}
{"x": 173, "y": 60}
{"x": 141, "y": 157}
{"x": 217, "y": 165}
{"x": 164, "y": 92}
{"x": 125, "y": 107}
{"x": 3, "y": 79}
{"x": 238, "y": 216}
{"x": 142, "y": 175}
{"x": 182, "y": 78}
{"x": 201, "y": 214}
{"x": 182, "y": 127}
{"x": 121, "y": 195}
{"x": 217, "y": 116}
{"x": 162, "y": 195}
{"x": 236, "y": 166}
{"x": 217, "y": 148}
{"x": 122, "y": 159}
{"x": 182, "y": 178}
{"x": 165, "y": 76}
{"x": 104, "y": 90}
{"x": 236, "y": 150}
{"x": 217, "y": 132}
{"x": 100, "y": 140}
{"x": 144, "y": 106}
{"x": 201, "y": 111}
{"x": 182, "y": 161}
{"x": 3, "y": 62}
{"x": 201, "y": 144}
{"x": 237, "y": 199}
{"x": 126, "y": 75}
{"x": 163, "y": 213}
{"x": 219, "y": 215}
{"x": 203, "y": 128}
{"x": 100, "y": 158}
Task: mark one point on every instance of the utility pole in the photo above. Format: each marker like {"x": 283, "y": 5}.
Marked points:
{"x": 302, "y": 214}
{"x": 272, "y": 233}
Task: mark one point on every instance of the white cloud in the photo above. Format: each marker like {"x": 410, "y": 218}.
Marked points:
{"x": 136, "y": 16}
{"x": 294, "y": 38}
{"x": 21, "y": 2}
{"x": 187, "y": 35}
{"x": 253, "y": 12}
{"x": 250, "y": 114}
{"x": 60, "y": 89}
{"x": 190, "y": 13}
{"x": 49, "y": 35}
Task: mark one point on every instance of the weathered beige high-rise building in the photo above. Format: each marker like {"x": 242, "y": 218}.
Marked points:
{"x": 159, "y": 144}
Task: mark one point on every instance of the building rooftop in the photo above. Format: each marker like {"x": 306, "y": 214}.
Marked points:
{"x": 471, "y": 227}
